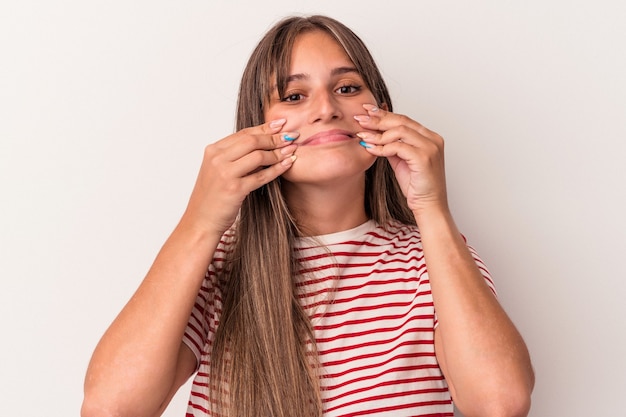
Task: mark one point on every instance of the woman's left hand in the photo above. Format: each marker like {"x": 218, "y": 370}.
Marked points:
{"x": 415, "y": 153}
{"x": 478, "y": 348}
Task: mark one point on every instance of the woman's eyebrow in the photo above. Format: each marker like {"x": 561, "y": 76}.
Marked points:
{"x": 333, "y": 72}
{"x": 290, "y": 78}
{"x": 304, "y": 76}
{"x": 297, "y": 77}
{"x": 343, "y": 70}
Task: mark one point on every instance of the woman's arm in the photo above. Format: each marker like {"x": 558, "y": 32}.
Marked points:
{"x": 134, "y": 366}
{"x": 482, "y": 355}
{"x": 140, "y": 361}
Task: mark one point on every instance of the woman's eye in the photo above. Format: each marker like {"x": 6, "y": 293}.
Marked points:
{"x": 292, "y": 97}
{"x": 348, "y": 89}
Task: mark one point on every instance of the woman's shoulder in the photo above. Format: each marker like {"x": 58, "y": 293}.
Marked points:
{"x": 391, "y": 234}
{"x": 398, "y": 230}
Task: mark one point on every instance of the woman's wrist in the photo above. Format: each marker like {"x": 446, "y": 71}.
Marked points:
{"x": 197, "y": 234}
{"x": 432, "y": 213}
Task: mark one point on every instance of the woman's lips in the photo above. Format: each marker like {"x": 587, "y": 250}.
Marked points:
{"x": 328, "y": 136}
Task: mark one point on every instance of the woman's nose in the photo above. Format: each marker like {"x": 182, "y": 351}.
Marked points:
{"x": 324, "y": 108}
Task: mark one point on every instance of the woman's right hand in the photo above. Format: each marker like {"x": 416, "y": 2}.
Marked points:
{"x": 122, "y": 378}
{"x": 232, "y": 168}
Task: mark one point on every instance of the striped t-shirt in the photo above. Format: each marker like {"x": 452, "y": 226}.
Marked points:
{"x": 369, "y": 299}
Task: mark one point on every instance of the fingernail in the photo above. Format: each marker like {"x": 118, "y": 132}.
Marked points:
{"x": 370, "y": 107}
{"x": 277, "y": 123}
{"x": 365, "y": 144}
{"x": 361, "y": 118}
{"x": 291, "y": 136}
{"x": 363, "y": 135}
{"x": 289, "y": 160}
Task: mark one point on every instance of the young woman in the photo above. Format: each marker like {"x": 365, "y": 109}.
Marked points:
{"x": 337, "y": 283}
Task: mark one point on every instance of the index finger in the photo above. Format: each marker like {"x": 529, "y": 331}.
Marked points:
{"x": 267, "y": 136}
{"x": 272, "y": 129}
{"x": 383, "y": 120}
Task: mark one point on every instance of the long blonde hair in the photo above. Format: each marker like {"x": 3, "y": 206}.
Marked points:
{"x": 263, "y": 359}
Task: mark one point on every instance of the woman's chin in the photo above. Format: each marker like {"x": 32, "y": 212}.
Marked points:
{"x": 321, "y": 166}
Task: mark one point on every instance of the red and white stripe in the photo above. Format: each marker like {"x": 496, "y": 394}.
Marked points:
{"x": 368, "y": 295}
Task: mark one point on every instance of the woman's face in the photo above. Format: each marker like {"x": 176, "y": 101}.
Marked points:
{"x": 323, "y": 93}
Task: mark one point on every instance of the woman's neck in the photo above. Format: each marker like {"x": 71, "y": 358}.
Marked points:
{"x": 321, "y": 209}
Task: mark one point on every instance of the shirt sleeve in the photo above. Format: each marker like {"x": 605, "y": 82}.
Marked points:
{"x": 483, "y": 270}
{"x": 198, "y": 327}
{"x": 202, "y": 324}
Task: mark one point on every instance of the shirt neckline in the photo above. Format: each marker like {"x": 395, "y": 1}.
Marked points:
{"x": 338, "y": 237}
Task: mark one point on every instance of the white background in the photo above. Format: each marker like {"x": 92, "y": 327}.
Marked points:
{"x": 106, "y": 106}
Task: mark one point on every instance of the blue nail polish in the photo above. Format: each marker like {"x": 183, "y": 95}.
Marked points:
{"x": 289, "y": 138}
{"x": 365, "y": 144}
